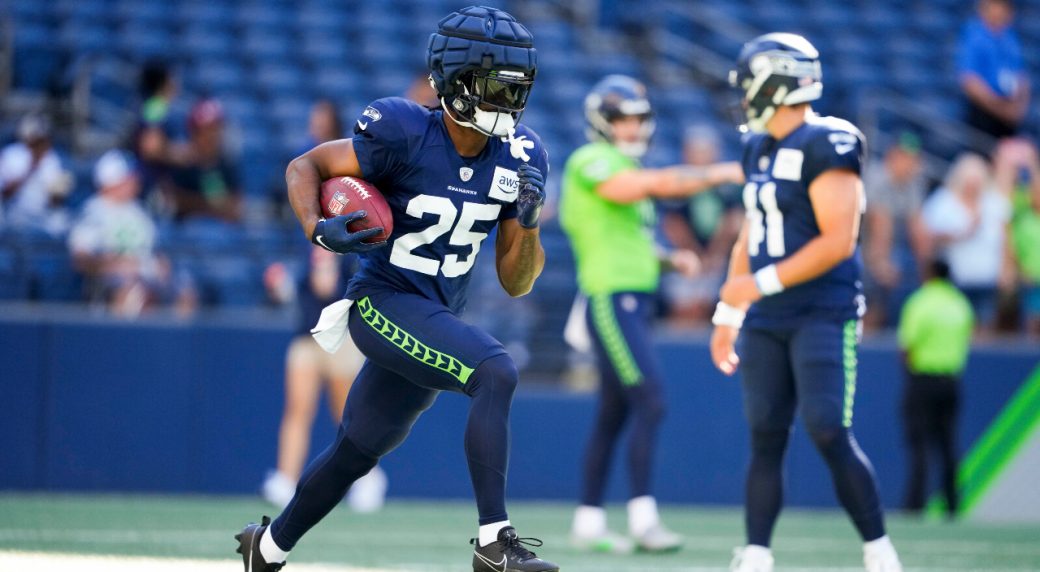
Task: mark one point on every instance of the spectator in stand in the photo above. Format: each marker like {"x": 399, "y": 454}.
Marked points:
{"x": 309, "y": 370}
{"x": 967, "y": 221}
{"x": 421, "y": 91}
{"x": 207, "y": 187}
{"x": 1017, "y": 168}
{"x": 992, "y": 73}
{"x": 323, "y": 125}
{"x": 894, "y": 235}
{"x": 707, "y": 224}
{"x": 113, "y": 244}
{"x": 33, "y": 183}
{"x": 155, "y": 139}
{"x": 935, "y": 337}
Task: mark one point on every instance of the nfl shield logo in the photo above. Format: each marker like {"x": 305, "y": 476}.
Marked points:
{"x": 465, "y": 173}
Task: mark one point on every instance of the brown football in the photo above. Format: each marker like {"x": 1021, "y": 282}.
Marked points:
{"x": 344, "y": 195}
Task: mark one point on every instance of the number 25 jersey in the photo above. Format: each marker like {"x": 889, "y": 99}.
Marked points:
{"x": 444, "y": 205}
{"x": 781, "y": 219}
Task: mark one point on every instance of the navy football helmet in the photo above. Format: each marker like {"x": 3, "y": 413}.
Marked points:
{"x": 482, "y": 65}
{"x": 773, "y": 70}
{"x": 613, "y": 97}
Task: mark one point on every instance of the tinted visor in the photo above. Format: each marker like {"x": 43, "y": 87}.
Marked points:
{"x": 503, "y": 89}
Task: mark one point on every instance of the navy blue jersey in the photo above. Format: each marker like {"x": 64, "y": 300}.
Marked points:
{"x": 781, "y": 219}
{"x": 444, "y": 205}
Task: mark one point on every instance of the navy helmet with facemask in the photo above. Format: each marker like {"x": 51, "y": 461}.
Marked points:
{"x": 482, "y": 65}
{"x": 612, "y": 98}
{"x": 773, "y": 70}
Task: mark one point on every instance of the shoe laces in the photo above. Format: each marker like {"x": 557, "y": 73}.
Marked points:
{"x": 515, "y": 545}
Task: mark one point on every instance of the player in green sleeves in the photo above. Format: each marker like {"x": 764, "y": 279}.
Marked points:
{"x": 607, "y": 213}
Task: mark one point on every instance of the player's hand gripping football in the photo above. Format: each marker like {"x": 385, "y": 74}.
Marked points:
{"x": 532, "y": 195}
{"x": 332, "y": 235}
{"x": 723, "y": 354}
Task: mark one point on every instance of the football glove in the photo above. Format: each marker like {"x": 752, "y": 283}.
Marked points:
{"x": 332, "y": 235}
{"x": 532, "y": 195}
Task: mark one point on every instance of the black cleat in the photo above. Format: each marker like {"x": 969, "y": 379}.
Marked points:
{"x": 508, "y": 554}
{"x": 249, "y": 547}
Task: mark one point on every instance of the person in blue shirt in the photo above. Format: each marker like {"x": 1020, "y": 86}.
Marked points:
{"x": 450, "y": 175}
{"x": 794, "y": 287}
{"x": 992, "y": 72}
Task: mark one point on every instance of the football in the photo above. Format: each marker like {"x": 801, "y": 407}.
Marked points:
{"x": 344, "y": 195}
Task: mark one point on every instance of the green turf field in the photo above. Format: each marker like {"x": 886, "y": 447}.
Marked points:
{"x": 428, "y": 536}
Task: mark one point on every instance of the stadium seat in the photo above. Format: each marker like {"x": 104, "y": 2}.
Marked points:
{"x": 14, "y": 282}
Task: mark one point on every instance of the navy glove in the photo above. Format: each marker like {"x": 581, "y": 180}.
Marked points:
{"x": 532, "y": 195}
{"x": 332, "y": 235}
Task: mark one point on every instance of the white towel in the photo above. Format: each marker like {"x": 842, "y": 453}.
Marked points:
{"x": 332, "y": 326}
{"x": 576, "y": 332}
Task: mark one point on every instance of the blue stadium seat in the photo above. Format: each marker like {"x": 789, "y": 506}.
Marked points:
{"x": 267, "y": 44}
{"x": 216, "y": 14}
{"x": 38, "y": 60}
{"x": 207, "y": 42}
{"x": 218, "y": 77}
{"x": 51, "y": 274}
{"x": 156, "y": 13}
{"x": 143, "y": 40}
{"x": 14, "y": 281}
{"x": 85, "y": 37}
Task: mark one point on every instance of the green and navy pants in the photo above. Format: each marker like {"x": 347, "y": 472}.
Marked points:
{"x": 630, "y": 392}
{"x": 415, "y": 348}
{"x": 808, "y": 368}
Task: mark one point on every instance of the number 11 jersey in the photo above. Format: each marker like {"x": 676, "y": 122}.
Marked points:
{"x": 781, "y": 219}
{"x": 444, "y": 205}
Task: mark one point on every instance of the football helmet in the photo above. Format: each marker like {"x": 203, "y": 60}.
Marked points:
{"x": 613, "y": 97}
{"x": 482, "y": 65}
{"x": 773, "y": 70}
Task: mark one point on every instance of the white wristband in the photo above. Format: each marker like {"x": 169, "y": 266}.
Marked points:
{"x": 726, "y": 315}
{"x": 768, "y": 281}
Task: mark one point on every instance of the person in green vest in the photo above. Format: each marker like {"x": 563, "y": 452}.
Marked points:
{"x": 607, "y": 213}
{"x": 935, "y": 330}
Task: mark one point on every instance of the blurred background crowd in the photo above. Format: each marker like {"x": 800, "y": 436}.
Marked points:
{"x": 144, "y": 143}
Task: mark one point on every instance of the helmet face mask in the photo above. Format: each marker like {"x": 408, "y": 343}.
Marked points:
{"x": 491, "y": 101}
{"x": 774, "y": 70}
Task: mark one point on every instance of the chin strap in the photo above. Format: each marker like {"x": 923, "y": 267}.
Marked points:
{"x": 518, "y": 146}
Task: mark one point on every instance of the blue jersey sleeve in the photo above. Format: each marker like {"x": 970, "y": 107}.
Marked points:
{"x": 539, "y": 159}
{"x": 836, "y": 144}
{"x": 383, "y": 137}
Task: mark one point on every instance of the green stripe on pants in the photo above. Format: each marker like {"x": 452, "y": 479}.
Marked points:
{"x": 411, "y": 346}
{"x": 613, "y": 339}
{"x": 849, "y": 361}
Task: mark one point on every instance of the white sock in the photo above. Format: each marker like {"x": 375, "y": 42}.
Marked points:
{"x": 269, "y": 549}
{"x": 589, "y": 521}
{"x": 879, "y": 546}
{"x": 488, "y": 533}
{"x": 642, "y": 515}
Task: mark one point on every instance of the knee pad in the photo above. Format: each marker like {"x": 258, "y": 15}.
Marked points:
{"x": 498, "y": 371}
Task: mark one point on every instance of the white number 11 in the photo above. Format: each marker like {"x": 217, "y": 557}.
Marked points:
{"x": 772, "y": 231}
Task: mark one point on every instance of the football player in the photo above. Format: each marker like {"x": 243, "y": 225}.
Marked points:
{"x": 607, "y": 212}
{"x": 450, "y": 175}
{"x": 794, "y": 286}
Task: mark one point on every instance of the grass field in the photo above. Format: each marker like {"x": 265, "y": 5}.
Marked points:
{"x": 40, "y": 533}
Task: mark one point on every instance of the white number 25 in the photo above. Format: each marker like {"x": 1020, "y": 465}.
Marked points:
{"x": 461, "y": 235}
